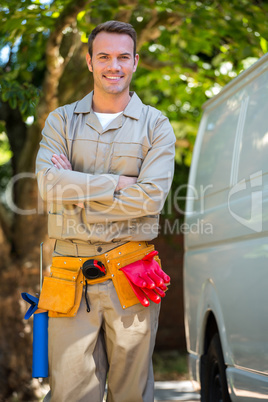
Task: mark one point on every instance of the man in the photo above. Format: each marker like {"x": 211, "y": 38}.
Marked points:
{"x": 106, "y": 164}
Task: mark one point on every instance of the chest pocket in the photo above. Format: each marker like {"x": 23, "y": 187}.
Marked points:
{"x": 127, "y": 159}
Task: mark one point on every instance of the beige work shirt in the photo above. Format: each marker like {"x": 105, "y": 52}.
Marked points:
{"x": 139, "y": 143}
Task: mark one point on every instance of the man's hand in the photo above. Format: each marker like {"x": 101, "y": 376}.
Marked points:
{"x": 60, "y": 161}
{"x": 125, "y": 181}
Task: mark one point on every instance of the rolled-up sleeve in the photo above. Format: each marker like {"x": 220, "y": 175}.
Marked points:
{"x": 67, "y": 186}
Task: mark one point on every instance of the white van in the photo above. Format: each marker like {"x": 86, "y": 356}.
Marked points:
{"x": 226, "y": 244}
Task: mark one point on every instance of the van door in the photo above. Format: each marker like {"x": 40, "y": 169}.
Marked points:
{"x": 248, "y": 205}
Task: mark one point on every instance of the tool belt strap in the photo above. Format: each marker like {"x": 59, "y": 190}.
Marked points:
{"x": 74, "y": 249}
{"x": 113, "y": 260}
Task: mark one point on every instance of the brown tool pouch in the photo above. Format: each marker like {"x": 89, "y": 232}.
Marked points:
{"x": 62, "y": 290}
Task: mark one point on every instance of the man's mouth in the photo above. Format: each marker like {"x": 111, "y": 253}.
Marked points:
{"x": 113, "y": 77}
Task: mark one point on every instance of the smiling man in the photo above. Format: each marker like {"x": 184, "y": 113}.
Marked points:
{"x": 105, "y": 165}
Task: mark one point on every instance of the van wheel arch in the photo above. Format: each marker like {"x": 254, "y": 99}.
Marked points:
{"x": 212, "y": 368}
{"x": 210, "y": 330}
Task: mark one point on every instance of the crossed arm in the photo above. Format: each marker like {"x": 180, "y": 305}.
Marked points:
{"x": 60, "y": 161}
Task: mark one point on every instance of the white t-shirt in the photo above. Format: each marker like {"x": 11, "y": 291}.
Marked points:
{"x": 106, "y": 118}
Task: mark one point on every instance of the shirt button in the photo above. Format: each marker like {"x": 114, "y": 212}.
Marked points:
{"x": 99, "y": 249}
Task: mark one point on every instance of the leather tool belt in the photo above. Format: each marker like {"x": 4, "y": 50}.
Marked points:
{"x": 62, "y": 290}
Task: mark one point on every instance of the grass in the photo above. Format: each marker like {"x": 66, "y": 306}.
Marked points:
{"x": 170, "y": 365}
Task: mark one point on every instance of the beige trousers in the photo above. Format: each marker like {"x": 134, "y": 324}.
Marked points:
{"x": 108, "y": 339}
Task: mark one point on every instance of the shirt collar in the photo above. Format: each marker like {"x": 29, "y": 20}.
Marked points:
{"x": 85, "y": 104}
{"x": 133, "y": 108}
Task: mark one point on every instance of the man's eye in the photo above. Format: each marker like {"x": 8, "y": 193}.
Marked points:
{"x": 103, "y": 57}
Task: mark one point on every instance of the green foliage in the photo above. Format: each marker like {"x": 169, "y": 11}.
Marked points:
{"x": 5, "y": 158}
{"x": 5, "y": 152}
{"x": 211, "y": 43}
{"x": 23, "y": 96}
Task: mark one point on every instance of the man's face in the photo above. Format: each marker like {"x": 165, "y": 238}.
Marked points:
{"x": 112, "y": 62}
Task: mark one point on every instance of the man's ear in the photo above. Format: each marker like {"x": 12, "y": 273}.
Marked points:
{"x": 89, "y": 62}
{"x": 136, "y": 60}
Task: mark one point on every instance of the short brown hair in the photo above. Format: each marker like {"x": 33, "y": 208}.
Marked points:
{"x": 115, "y": 27}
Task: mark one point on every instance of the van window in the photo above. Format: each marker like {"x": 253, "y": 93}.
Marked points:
{"x": 255, "y": 136}
{"x": 215, "y": 159}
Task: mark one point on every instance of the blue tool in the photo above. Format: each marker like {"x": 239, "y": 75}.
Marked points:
{"x": 40, "y": 330}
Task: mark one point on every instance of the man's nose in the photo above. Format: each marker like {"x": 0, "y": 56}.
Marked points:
{"x": 114, "y": 64}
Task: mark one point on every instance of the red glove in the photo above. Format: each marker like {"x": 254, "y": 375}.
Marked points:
{"x": 143, "y": 294}
{"x": 147, "y": 279}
